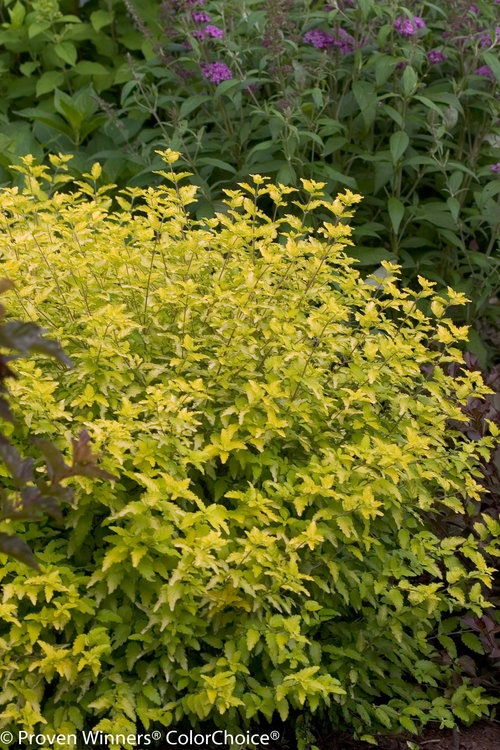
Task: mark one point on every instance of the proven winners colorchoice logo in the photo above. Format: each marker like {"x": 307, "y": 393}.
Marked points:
{"x": 172, "y": 737}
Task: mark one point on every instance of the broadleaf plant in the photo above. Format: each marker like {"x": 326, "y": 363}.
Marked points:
{"x": 32, "y": 494}
{"x": 265, "y": 551}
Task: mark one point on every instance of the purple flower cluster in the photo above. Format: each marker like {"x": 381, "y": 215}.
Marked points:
{"x": 199, "y": 16}
{"x": 214, "y": 32}
{"x": 485, "y": 38}
{"x": 436, "y": 56}
{"x": 319, "y": 38}
{"x": 495, "y": 167}
{"x": 405, "y": 27}
{"x": 323, "y": 39}
{"x": 486, "y": 71}
{"x": 210, "y": 30}
{"x": 345, "y": 42}
{"x": 216, "y": 72}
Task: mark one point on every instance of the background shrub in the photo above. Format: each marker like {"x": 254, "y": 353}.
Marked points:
{"x": 278, "y": 445}
{"x": 401, "y": 104}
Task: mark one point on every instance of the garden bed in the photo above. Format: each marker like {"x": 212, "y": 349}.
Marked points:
{"x": 484, "y": 735}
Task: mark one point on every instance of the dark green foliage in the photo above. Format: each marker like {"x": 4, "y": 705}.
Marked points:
{"x": 374, "y": 111}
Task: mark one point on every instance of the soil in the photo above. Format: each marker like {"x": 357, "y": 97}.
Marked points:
{"x": 484, "y": 735}
{"x": 481, "y": 736}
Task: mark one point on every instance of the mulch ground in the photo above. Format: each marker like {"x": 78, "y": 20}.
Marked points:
{"x": 484, "y": 735}
{"x": 481, "y": 736}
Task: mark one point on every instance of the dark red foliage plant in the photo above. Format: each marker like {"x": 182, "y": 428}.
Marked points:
{"x": 30, "y": 493}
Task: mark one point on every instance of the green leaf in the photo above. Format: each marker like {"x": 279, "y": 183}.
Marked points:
{"x": 333, "y": 144}
{"x": 66, "y": 51}
{"x": 489, "y": 190}
{"x": 17, "y": 14}
{"x": 454, "y": 206}
{"x": 47, "y": 118}
{"x": 75, "y": 109}
{"x": 263, "y": 146}
{"x": 27, "y": 68}
{"x": 429, "y": 104}
{"x": 89, "y": 68}
{"x": 410, "y": 80}
{"x": 225, "y": 86}
{"x": 366, "y": 8}
{"x": 317, "y": 96}
{"x": 92, "y": 123}
{"x": 49, "y": 81}
{"x": 383, "y": 716}
{"x": 396, "y": 213}
{"x": 286, "y": 175}
{"x": 252, "y": 638}
{"x": 366, "y": 98}
{"x": 37, "y": 28}
{"x": 399, "y": 142}
{"x": 192, "y": 103}
{"x": 384, "y": 67}
{"x": 325, "y": 170}
{"x": 408, "y": 724}
{"x": 101, "y": 18}
{"x": 370, "y": 256}
{"x": 476, "y": 346}
{"x": 216, "y": 163}
{"x": 472, "y": 642}
{"x": 150, "y": 692}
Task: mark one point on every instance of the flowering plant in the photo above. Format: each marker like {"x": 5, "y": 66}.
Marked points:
{"x": 398, "y": 100}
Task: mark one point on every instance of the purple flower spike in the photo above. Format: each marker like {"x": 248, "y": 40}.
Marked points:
{"x": 345, "y": 42}
{"x": 216, "y": 72}
{"x": 486, "y": 71}
{"x": 485, "y": 39}
{"x": 319, "y": 38}
{"x": 214, "y": 32}
{"x": 405, "y": 27}
{"x": 436, "y": 56}
{"x": 495, "y": 167}
{"x": 199, "y": 16}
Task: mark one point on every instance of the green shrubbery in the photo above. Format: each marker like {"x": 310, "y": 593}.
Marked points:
{"x": 278, "y": 445}
{"x": 356, "y": 94}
